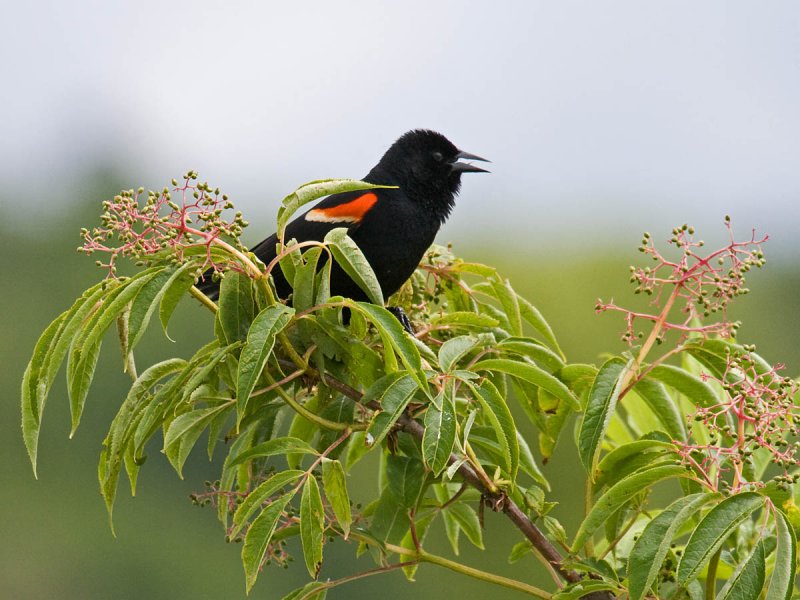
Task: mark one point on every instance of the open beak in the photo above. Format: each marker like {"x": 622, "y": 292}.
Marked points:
{"x": 463, "y": 167}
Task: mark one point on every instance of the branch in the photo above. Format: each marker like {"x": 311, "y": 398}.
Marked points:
{"x": 497, "y": 500}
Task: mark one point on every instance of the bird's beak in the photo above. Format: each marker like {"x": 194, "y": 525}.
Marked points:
{"x": 462, "y": 167}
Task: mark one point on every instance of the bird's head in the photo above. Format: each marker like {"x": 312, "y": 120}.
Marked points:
{"x": 427, "y": 167}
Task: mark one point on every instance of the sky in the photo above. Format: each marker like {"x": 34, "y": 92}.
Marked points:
{"x": 602, "y": 119}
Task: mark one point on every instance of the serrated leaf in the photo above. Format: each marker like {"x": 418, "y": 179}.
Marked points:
{"x": 509, "y": 300}
{"x": 530, "y": 348}
{"x": 86, "y": 347}
{"x": 146, "y": 301}
{"x": 464, "y": 319}
{"x": 390, "y": 519}
{"x": 713, "y": 530}
{"x": 534, "y": 318}
{"x": 353, "y": 262}
{"x": 120, "y": 433}
{"x": 31, "y": 408}
{"x": 312, "y": 524}
{"x": 649, "y": 551}
{"x": 236, "y": 306}
{"x": 258, "y": 537}
{"x": 313, "y": 590}
{"x": 499, "y": 417}
{"x": 263, "y": 492}
{"x": 313, "y": 190}
{"x": 748, "y": 578}
{"x": 304, "y": 277}
{"x": 617, "y": 460}
{"x": 406, "y": 477}
{"x": 663, "y": 407}
{"x": 335, "y": 484}
{"x": 439, "y": 436}
{"x": 531, "y": 374}
{"x": 693, "y": 388}
{"x": 454, "y": 350}
{"x": 260, "y": 341}
{"x": 619, "y": 494}
{"x": 178, "y": 285}
{"x": 468, "y": 522}
{"x": 781, "y": 582}
{"x": 392, "y": 332}
{"x": 585, "y": 589}
{"x": 394, "y": 400}
{"x": 183, "y": 432}
{"x": 602, "y": 403}
{"x": 273, "y": 447}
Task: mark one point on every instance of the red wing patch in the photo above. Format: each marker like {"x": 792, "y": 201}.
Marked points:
{"x": 348, "y": 212}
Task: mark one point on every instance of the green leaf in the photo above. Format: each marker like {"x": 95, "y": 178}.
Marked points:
{"x": 263, "y": 492}
{"x": 180, "y": 283}
{"x": 585, "y": 589}
{"x": 782, "y": 581}
{"x": 406, "y": 477}
{"x": 616, "y": 461}
{"x": 390, "y": 519}
{"x": 183, "y": 432}
{"x": 335, "y": 484}
{"x": 713, "y": 530}
{"x": 532, "y": 349}
{"x": 695, "y": 389}
{"x": 454, "y": 350}
{"x": 532, "y": 315}
{"x": 313, "y": 190}
{"x": 394, "y": 400}
{"x": 602, "y": 403}
{"x": 464, "y": 319}
{"x": 468, "y": 522}
{"x": 122, "y": 427}
{"x": 392, "y": 332}
{"x": 32, "y": 401}
{"x": 273, "y": 447}
{"x": 649, "y": 551}
{"x": 663, "y": 407}
{"x": 313, "y": 590}
{"x": 353, "y": 262}
{"x": 531, "y": 374}
{"x": 170, "y": 394}
{"x": 312, "y": 524}
{"x": 85, "y": 350}
{"x": 619, "y": 494}
{"x": 748, "y": 578}
{"x": 439, "y": 436}
{"x": 260, "y": 341}
{"x": 499, "y": 417}
{"x": 236, "y": 306}
{"x": 509, "y": 300}
{"x": 145, "y": 303}
{"x": 304, "y": 277}
{"x": 258, "y": 537}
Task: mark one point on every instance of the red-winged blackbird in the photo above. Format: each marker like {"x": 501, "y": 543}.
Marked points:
{"x": 392, "y": 227}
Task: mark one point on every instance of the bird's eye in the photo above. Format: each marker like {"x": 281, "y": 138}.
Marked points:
{"x": 437, "y": 156}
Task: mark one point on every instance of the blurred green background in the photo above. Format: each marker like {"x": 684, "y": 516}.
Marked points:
{"x": 603, "y": 119}
{"x": 56, "y": 541}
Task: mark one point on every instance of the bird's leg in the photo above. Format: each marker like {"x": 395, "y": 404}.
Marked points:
{"x": 401, "y": 316}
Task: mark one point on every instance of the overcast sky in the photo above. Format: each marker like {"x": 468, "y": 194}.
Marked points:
{"x": 602, "y": 118}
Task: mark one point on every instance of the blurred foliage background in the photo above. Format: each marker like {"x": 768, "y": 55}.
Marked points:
{"x": 602, "y": 119}
{"x": 56, "y": 539}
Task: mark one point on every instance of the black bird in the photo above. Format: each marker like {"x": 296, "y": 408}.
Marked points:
{"x": 392, "y": 227}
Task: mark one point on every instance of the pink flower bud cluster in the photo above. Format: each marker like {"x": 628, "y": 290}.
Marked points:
{"x": 700, "y": 285}
{"x": 757, "y": 414}
{"x": 158, "y": 227}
